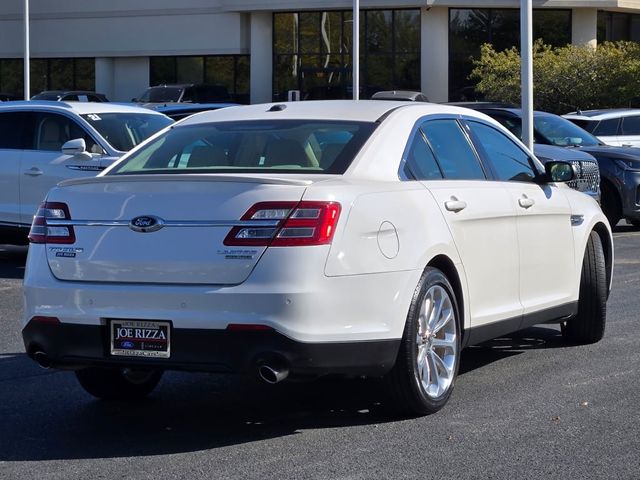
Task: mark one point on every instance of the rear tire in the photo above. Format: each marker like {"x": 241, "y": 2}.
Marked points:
{"x": 424, "y": 375}
{"x": 635, "y": 223}
{"x": 611, "y": 205}
{"x": 118, "y": 383}
{"x": 589, "y": 324}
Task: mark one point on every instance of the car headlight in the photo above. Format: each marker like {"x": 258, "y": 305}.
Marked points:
{"x": 628, "y": 164}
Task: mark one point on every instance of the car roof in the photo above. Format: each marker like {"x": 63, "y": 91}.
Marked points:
{"x": 80, "y": 108}
{"x": 349, "y": 110}
{"x": 603, "y": 114}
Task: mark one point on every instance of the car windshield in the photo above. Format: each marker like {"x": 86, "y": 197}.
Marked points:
{"x": 561, "y": 132}
{"x": 283, "y": 146}
{"x": 161, "y": 94}
{"x": 124, "y": 131}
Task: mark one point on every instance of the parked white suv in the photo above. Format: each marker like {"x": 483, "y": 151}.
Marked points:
{"x": 43, "y": 143}
{"x": 619, "y": 127}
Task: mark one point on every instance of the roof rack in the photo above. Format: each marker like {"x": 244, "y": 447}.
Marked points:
{"x": 44, "y": 103}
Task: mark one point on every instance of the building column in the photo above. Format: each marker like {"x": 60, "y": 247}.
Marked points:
{"x": 584, "y": 26}
{"x": 104, "y": 76}
{"x": 261, "y": 48}
{"x": 434, "y": 47}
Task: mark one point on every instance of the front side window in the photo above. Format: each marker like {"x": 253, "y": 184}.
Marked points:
{"x": 453, "y": 152}
{"x": 606, "y": 127}
{"x": 52, "y": 131}
{"x": 284, "y": 146}
{"x": 420, "y": 163}
{"x": 124, "y": 131}
{"x": 509, "y": 161}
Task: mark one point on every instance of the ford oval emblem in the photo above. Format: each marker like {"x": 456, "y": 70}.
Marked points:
{"x": 127, "y": 344}
{"x": 146, "y": 224}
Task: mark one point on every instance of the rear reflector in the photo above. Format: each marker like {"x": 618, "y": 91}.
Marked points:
{"x": 239, "y": 327}
{"x": 43, "y": 319}
{"x": 299, "y": 224}
{"x": 42, "y": 232}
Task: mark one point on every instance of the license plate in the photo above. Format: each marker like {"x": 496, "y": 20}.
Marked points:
{"x": 140, "y": 338}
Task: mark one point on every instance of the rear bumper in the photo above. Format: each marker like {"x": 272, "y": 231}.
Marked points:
{"x": 76, "y": 346}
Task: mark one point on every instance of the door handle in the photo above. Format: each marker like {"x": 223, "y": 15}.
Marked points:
{"x": 33, "y": 172}
{"x": 455, "y": 205}
{"x": 526, "y": 202}
{"x": 627, "y": 145}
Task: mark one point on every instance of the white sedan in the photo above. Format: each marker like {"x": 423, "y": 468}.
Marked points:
{"x": 364, "y": 238}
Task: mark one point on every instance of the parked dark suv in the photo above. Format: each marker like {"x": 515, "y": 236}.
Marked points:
{"x": 619, "y": 166}
{"x": 70, "y": 96}
{"x": 190, "y": 93}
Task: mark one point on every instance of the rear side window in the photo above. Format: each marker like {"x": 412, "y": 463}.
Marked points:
{"x": 286, "y": 146}
{"x": 420, "y": 164}
{"x": 452, "y": 150}
{"x": 631, "y": 126}
{"x": 606, "y": 127}
{"x": 509, "y": 161}
{"x": 12, "y": 130}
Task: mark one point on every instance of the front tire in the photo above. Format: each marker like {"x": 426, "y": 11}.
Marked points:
{"x": 424, "y": 375}
{"x": 118, "y": 383}
{"x": 589, "y": 324}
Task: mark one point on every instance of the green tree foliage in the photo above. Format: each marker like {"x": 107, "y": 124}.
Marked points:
{"x": 564, "y": 78}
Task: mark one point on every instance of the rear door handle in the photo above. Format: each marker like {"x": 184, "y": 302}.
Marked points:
{"x": 526, "y": 202}
{"x": 627, "y": 145}
{"x": 455, "y": 205}
{"x": 33, "y": 172}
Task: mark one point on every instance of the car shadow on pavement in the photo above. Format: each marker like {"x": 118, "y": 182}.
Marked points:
{"x": 45, "y": 415}
{"x": 12, "y": 260}
{"x": 532, "y": 338}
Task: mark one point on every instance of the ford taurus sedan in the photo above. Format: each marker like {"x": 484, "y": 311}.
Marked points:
{"x": 299, "y": 240}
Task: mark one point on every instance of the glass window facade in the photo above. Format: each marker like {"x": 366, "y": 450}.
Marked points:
{"x": 615, "y": 26}
{"x": 230, "y": 71}
{"x": 312, "y": 53}
{"x": 48, "y": 74}
{"x": 470, "y": 28}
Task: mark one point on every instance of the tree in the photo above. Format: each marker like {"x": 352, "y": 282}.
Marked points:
{"x": 564, "y": 78}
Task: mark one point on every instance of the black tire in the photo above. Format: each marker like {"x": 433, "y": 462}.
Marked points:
{"x": 404, "y": 385}
{"x": 635, "y": 223}
{"x": 118, "y": 383}
{"x": 589, "y": 324}
{"x": 611, "y": 205}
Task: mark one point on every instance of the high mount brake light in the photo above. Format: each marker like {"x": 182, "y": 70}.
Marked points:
{"x": 42, "y": 232}
{"x": 299, "y": 224}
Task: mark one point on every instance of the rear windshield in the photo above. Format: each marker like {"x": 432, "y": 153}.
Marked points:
{"x": 124, "y": 131}
{"x": 285, "y": 146}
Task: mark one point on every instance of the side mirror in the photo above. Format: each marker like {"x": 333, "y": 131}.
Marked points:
{"x": 76, "y": 147}
{"x": 559, "y": 171}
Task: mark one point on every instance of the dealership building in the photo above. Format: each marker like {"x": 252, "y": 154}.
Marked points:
{"x": 260, "y": 50}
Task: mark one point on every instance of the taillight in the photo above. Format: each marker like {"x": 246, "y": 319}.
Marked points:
{"x": 43, "y": 230}
{"x": 287, "y": 224}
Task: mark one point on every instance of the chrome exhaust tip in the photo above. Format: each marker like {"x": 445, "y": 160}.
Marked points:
{"x": 272, "y": 374}
{"x": 42, "y": 359}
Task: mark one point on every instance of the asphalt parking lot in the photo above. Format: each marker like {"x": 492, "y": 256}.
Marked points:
{"x": 527, "y": 406}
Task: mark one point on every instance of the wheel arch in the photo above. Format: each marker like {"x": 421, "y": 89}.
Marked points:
{"x": 446, "y": 266}
{"x": 607, "y": 245}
